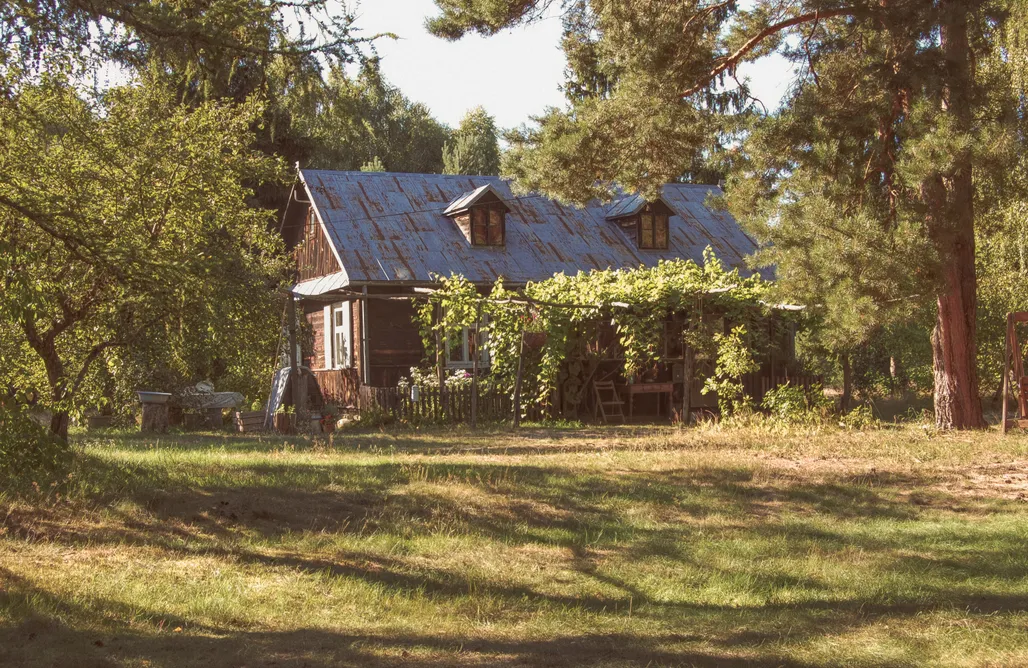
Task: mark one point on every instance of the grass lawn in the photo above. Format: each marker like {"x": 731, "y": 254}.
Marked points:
{"x": 595, "y": 547}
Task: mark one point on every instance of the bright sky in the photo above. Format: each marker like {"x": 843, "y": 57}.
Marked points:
{"x": 514, "y": 75}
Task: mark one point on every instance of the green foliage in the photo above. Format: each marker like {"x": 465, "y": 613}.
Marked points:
{"x": 373, "y": 165}
{"x": 789, "y": 404}
{"x": 862, "y": 186}
{"x": 29, "y": 454}
{"x": 568, "y": 309}
{"x": 473, "y": 148}
{"x": 129, "y": 247}
{"x": 348, "y": 123}
{"x": 861, "y": 417}
{"x": 734, "y": 360}
{"x": 203, "y": 41}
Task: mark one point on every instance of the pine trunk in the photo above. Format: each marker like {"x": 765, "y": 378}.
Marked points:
{"x": 957, "y": 402}
{"x": 951, "y": 227}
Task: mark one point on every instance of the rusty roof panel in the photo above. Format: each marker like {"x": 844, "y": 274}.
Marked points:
{"x": 391, "y": 227}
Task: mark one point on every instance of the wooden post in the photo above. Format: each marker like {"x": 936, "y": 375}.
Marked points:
{"x": 686, "y": 382}
{"x": 474, "y": 365}
{"x": 365, "y": 353}
{"x": 440, "y": 358}
{"x": 1006, "y": 373}
{"x": 517, "y": 379}
{"x": 294, "y": 367}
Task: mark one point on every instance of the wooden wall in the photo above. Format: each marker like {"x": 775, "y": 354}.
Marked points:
{"x": 314, "y": 256}
{"x": 317, "y": 321}
{"x": 394, "y": 344}
{"x": 339, "y": 386}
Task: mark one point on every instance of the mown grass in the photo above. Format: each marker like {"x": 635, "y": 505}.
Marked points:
{"x": 598, "y": 547}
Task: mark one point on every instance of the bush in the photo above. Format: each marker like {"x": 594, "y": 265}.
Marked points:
{"x": 791, "y": 404}
{"x": 28, "y": 452}
{"x": 861, "y": 417}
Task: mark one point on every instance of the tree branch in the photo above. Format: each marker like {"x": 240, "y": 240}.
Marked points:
{"x": 730, "y": 62}
{"x": 87, "y": 362}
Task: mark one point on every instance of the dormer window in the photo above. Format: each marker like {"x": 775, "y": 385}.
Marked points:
{"x": 487, "y": 226}
{"x": 481, "y": 216}
{"x": 653, "y": 229}
{"x": 648, "y": 222}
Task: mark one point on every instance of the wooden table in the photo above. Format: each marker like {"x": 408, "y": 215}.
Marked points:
{"x": 647, "y": 388}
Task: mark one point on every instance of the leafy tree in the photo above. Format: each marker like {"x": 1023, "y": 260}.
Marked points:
{"x": 473, "y": 148}
{"x": 356, "y": 120}
{"x": 194, "y": 40}
{"x": 893, "y": 82}
{"x": 123, "y": 220}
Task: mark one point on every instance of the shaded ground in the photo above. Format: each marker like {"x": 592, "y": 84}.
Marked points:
{"x": 552, "y": 548}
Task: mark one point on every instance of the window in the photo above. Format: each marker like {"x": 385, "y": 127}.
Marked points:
{"x": 338, "y": 336}
{"x": 460, "y": 348}
{"x": 653, "y": 230}
{"x": 487, "y": 226}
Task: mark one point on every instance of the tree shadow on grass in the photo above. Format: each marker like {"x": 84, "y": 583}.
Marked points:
{"x": 203, "y": 513}
{"x": 514, "y": 503}
{"x": 53, "y": 631}
{"x": 44, "y": 637}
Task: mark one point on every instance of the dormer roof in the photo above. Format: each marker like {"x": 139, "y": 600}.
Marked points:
{"x": 629, "y": 205}
{"x": 468, "y": 199}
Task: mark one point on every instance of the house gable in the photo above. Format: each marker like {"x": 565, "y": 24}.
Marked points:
{"x": 314, "y": 255}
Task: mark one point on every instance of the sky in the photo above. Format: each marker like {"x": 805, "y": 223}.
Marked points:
{"x": 515, "y": 75}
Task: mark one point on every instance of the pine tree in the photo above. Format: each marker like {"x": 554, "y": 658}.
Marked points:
{"x": 885, "y": 99}
{"x": 473, "y": 148}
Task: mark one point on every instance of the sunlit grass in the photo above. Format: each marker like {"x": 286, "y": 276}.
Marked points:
{"x": 601, "y": 547}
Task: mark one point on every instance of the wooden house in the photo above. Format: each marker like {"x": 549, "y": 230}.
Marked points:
{"x": 365, "y": 233}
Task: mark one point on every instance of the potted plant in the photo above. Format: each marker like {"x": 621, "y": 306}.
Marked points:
{"x": 329, "y": 417}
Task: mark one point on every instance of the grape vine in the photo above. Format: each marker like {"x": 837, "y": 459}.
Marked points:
{"x": 567, "y": 312}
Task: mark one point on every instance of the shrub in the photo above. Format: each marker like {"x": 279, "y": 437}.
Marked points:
{"x": 28, "y": 452}
{"x": 861, "y": 417}
{"x": 791, "y": 404}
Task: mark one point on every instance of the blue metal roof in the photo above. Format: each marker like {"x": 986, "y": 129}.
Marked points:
{"x": 388, "y": 227}
{"x": 626, "y": 206}
{"x": 466, "y": 200}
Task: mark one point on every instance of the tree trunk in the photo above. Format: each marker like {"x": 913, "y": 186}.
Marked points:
{"x": 847, "y": 384}
{"x": 951, "y": 228}
{"x": 957, "y": 403}
{"x": 59, "y": 424}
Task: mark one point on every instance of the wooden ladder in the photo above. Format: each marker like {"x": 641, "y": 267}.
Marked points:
{"x": 610, "y": 405}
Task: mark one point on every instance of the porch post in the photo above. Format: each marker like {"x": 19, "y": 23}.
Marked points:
{"x": 299, "y": 385}
{"x": 440, "y": 358}
{"x": 365, "y": 353}
{"x": 474, "y": 365}
{"x": 517, "y": 379}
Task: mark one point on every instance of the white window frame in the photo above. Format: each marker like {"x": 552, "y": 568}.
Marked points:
{"x": 338, "y": 336}
{"x": 466, "y": 362}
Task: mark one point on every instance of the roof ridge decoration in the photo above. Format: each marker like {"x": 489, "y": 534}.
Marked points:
{"x": 466, "y": 200}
